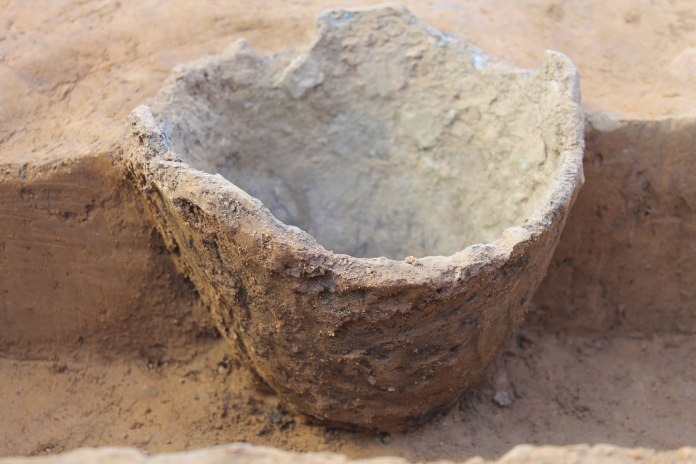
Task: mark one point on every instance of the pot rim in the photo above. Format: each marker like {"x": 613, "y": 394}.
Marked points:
{"x": 299, "y": 245}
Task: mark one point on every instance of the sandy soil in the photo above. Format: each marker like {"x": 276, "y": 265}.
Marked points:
{"x": 71, "y": 71}
{"x": 562, "y": 390}
{"x": 90, "y": 63}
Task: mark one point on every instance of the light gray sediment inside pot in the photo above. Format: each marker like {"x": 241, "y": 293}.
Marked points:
{"x": 374, "y": 141}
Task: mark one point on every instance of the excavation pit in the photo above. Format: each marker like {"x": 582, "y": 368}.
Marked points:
{"x": 367, "y": 219}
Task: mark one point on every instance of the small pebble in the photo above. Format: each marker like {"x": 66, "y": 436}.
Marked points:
{"x": 222, "y": 368}
{"x": 502, "y": 398}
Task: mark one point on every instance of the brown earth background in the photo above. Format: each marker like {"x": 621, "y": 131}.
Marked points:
{"x": 102, "y": 343}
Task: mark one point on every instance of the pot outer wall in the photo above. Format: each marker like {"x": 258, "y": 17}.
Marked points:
{"x": 344, "y": 351}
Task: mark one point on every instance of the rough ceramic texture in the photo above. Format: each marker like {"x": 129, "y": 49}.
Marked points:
{"x": 243, "y": 453}
{"x": 372, "y": 342}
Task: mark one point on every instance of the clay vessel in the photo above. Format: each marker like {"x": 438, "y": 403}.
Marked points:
{"x": 369, "y": 218}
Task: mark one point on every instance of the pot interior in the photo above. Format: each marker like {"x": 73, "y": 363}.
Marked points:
{"x": 375, "y": 145}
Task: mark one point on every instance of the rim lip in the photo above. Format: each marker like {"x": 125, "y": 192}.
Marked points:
{"x": 296, "y": 243}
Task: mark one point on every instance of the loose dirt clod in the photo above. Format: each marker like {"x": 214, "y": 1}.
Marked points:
{"x": 386, "y": 138}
